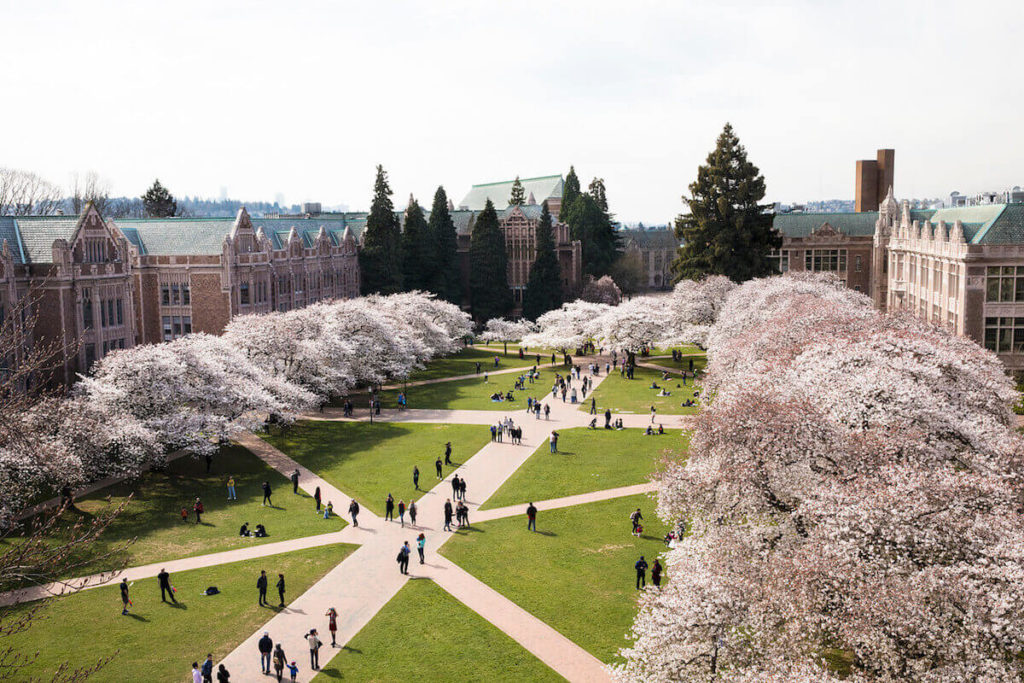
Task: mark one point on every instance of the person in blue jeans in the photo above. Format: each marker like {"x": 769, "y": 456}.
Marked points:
{"x": 266, "y": 646}
{"x": 554, "y": 442}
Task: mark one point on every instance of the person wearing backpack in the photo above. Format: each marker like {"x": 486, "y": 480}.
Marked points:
{"x": 314, "y": 649}
{"x": 279, "y": 662}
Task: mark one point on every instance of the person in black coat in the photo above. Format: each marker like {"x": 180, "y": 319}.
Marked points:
{"x": 295, "y": 481}
{"x": 416, "y": 477}
{"x": 641, "y": 572}
{"x": 261, "y": 585}
{"x": 280, "y": 588}
{"x": 165, "y": 586}
{"x": 353, "y": 509}
{"x": 448, "y": 453}
{"x": 316, "y": 498}
{"x": 389, "y": 509}
{"x": 266, "y": 646}
{"x": 440, "y": 471}
{"x": 448, "y": 515}
{"x": 266, "y": 494}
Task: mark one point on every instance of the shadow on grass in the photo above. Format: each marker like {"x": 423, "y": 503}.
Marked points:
{"x": 136, "y": 617}
{"x": 546, "y": 533}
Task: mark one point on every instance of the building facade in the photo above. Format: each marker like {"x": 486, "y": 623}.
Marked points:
{"x": 655, "y": 249}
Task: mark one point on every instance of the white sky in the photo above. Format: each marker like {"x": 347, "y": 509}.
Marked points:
{"x": 305, "y": 98}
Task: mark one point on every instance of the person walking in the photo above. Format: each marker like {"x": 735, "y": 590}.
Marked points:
{"x": 547, "y": 411}
{"x": 462, "y": 488}
{"x": 401, "y": 512}
{"x": 440, "y": 471}
{"x": 656, "y": 573}
{"x": 494, "y": 433}
{"x": 125, "y": 600}
{"x": 389, "y": 509}
{"x": 412, "y": 512}
{"x": 403, "y": 558}
{"x": 607, "y": 418}
{"x": 593, "y": 404}
{"x": 641, "y": 572}
{"x": 654, "y": 412}
{"x": 266, "y": 494}
{"x": 635, "y": 518}
{"x": 231, "y": 488}
{"x": 553, "y": 439}
{"x": 197, "y": 507}
{"x": 266, "y": 646}
{"x": 531, "y": 518}
{"x": 293, "y": 671}
{"x": 416, "y": 477}
{"x": 332, "y": 625}
{"x": 353, "y": 509}
{"x": 279, "y": 662}
{"x": 295, "y": 481}
{"x": 317, "y": 498}
{"x": 208, "y": 669}
{"x": 222, "y": 674}
{"x": 261, "y": 586}
{"x": 448, "y": 515}
{"x": 280, "y": 589}
{"x": 165, "y": 586}
{"x": 421, "y": 541}
{"x": 455, "y": 487}
{"x": 314, "y": 649}
{"x": 448, "y": 453}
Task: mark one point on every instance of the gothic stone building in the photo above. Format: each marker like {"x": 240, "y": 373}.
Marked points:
{"x": 656, "y": 250}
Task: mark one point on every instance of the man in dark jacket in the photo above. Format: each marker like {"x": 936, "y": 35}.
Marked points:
{"x": 266, "y": 646}
{"x": 389, "y": 508}
{"x": 280, "y": 588}
{"x": 165, "y": 586}
{"x": 207, "y": 669}
{"x": 448, "y": 515}
{"x": 440, "y": 471}
{"x": 641, "y": 572}
{"x": 266, "y": 494}
{"x": 353, "y": 509}
{"x": 448, "y": 453}
{"x": 531, "y": 518}
{"x": 261, "y": 585}
{"x": 295, "y": 481}
{"x": 416, "y": 477}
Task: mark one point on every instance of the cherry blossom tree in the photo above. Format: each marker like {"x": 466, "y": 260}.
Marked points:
{"x": 859, "y": 503}
{"x": 505, "y": 331}
{"x": 634, "y": 325}
{"x": 568, "y": 327}
{"x": 601, "y": 291}
{"x": 692, "y": 309}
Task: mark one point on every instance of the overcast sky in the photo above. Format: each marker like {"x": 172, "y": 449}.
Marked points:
{"x": 305, "y": 98}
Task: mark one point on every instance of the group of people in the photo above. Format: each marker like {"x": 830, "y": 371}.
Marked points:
{"x": 651, "y": 431}
{"x": 389, "y": 508}
{"x": 507, "y": 427}
{"x": 534, "y": 406}
{"x": 262, "y": 584}
{"x": 272, "y": 654}
{"x": 259, "y": 532}
{"x": 460, "y": 512}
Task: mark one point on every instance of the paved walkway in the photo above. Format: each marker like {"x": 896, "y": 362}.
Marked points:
{"x": 366, "y": 580}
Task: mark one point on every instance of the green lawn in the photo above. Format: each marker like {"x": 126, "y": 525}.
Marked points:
{"x": 425, "y": 634}
{"x": 464, "y": 363}
{"x": 576, "y": 573}
{"x": 636, "y": 396}
{"x": 367, "y": 460}
{"x": 159, "y": 642}
{"x": 588, "y": 460}
{"x": 154, "y": 513}
{"x": 686, "y": 349}
{"x": 472, "y": 394}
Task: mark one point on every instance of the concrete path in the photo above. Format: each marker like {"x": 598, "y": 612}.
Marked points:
{"x": 568, "y": 501}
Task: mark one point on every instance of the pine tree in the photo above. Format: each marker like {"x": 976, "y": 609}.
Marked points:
{"x": 727, "y": 231}
{"x": 417, "y": 256}
{"x": 544, "y": 286}
{"x": 380, "y": 257}
{"x": 489, "y": 294}
{"x": 518, "y": 197}
{"x": 597, "y": 191}
{"x": 570, "y": 190}
{"x": 596, "y": 233}
{"x": 158, "y": 202}
{"x": 446, "y": 276}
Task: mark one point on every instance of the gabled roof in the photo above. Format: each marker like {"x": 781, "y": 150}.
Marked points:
{"x": 542, "y": 188}
{"x": 662, "y": 238}
{"x": 31, "y": 238}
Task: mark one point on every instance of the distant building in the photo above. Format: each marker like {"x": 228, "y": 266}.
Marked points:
{"x": 873, "y": 180}
{"x": 657, "y": 249}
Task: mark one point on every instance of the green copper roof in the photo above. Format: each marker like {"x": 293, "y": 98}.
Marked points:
{"x": 542, "y": 188}
{"x": 650, "y": 239}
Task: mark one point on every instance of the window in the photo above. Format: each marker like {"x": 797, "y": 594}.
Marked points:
{"x": 110, "y": 313}
{"x": 954, "y": 282}
{"x": 186, "y": 324}
{"x": 175, "y": 294}
{"x": 830, "y": 260}
{"x": 186, "y": 296}
{"x": 86, "y": 310}
{"x": 103, "y": 313}
{"x": 120, "y": 312}
{"x": 856, "y": 262}
{"x": 90, "y": 355}
{"x": 1004, "y": 283}
{"x": 780, "y": 257}
{"x": 243, "y": 293}
{"x": 1004, "y": 335}
{"x": 166, "y": 321}
{"x": 176, "y": 321}
{"x": 165, "y": 295}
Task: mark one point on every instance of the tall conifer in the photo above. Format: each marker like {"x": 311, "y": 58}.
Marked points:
{"x": 446, "y": 276}
{"x": 727, "y": 232}
{"x": 416, "y": 249}
{"x": 518, "y": 197}
{"x": 489, "y": 294}
{"x": 570, "y": 190}
{"x": 544, "y": 286}
{"x": 380, "y": 257}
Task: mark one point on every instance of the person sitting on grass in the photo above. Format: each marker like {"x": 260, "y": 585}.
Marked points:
{"x": 664, "y": 393}
{"x": 510, "y": 396}
{"x": 649, "y": 431}
{"x": 593, "y": 424}
{"x": 654, "y": 385}
{"x": 244, "y": 531}
{"x": 261, "y": 531}
{"x": 496, "y": 396}
{"x": 661, "y": 428}
{"x": 618, "y": 424}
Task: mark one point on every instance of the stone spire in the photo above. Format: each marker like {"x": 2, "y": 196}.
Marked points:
{"x": 531, "y": 200}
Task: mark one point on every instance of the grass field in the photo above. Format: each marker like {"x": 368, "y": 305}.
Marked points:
{"x": 472, "y": 394}
{"x": 153, "y": 515}
{"x": 367, "y": 461}
{"x": 588, "y": 460}
{"x": 425, "y": 634}
{"x": 158, "y": 641}
{"x": 575, "y": 573}
{"x": 636, "y": 396}
{"x": 464, "y": 363}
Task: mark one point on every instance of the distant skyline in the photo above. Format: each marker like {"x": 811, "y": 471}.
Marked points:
{"x": 300, "y": 101}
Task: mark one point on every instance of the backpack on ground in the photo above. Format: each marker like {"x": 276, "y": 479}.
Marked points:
{"x": 212, "y": 590}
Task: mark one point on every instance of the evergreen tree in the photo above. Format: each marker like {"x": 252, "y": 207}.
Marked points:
{"x": 544, "y": 287}
{"x": 489, "y": 294}
{"x": 380, "y": 257}
{"x": 417, "y": 256}
{"x": 595, "y": 231}
{"x": 159, "y": 202}
{"x": 727, "y": 231}
{"x": 597, "y": 191}
{"x": 446, "y": 277}
{"x": 518, "y": 197}
{"x": 570, "y": 190}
